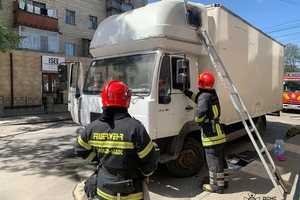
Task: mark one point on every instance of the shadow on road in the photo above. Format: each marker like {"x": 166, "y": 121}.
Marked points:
{"x": 52, "y": 154}
{"x": 27, "y": 129}
{"x": 42, "y": 153}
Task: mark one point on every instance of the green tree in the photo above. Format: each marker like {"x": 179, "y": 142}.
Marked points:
{"x": 8, "y": 39}
{"x": 291, "y": 57}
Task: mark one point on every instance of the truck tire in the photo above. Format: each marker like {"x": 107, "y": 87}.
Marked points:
{"x": 189, "y": 161}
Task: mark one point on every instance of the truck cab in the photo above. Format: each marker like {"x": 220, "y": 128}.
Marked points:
{"x": 291, "y": 91}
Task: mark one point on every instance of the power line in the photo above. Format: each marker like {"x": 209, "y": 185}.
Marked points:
{"x": 283, "y": 24}
{"x": 289, "y": 34}
{"x": 285, "y": 29}
{"x": 290, "y": 2}
{"x": 290, "y": 40}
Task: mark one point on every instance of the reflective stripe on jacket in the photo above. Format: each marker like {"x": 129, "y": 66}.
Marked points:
{"x": 123, "y": 149}
{"x": 207, "y": 116}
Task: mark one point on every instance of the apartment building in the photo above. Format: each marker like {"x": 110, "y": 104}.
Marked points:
{"x": 60, "y": 26}
{"x": 52, "y": 31}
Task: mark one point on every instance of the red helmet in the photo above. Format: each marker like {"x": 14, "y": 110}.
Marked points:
{"x": 115, "y": 93}
{"x": 206, "y": 80}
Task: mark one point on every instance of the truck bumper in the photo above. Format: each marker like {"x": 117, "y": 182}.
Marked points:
{"x": 291, "y": 106}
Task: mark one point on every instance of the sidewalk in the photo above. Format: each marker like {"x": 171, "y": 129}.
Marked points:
{"x": 35, "y": 119}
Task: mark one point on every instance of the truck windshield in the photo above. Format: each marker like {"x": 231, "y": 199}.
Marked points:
{"x": 291, "y": 86}
{"x": 134, "y": 70}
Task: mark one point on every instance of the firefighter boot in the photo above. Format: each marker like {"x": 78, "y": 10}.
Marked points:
{"x": 226, "y": 178}
{"x": 216, "y": 183}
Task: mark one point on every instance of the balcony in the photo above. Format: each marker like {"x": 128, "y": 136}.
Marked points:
{"x": 34, "y": 20}
{"x": 118, "y": 5}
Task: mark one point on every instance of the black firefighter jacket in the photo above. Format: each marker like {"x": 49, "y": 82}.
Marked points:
{"x": 208, "y": 116}
{"x": 123, "y": 149}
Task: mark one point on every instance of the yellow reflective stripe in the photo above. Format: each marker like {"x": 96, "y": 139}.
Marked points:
{"x": 219, "y": 130}
{"x": 199, "y": 119}
{"x": 135, "y": 196}
{"x": 91, "y": 156}
{"x": 83, "y": 143}
{"x": 209, "y": 139}
{"x": 146, "y": 150}
{"x": 149, "y": 174}
{"x": 215, "y": 111}
{"x": 194, "y": 96}
{"x": 210, "y": 143}
{"x": 112, "y": 144}
{"x": 219, "y": 139}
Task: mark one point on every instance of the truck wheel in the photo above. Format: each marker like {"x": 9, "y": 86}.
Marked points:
{"x": 189, "y": 160}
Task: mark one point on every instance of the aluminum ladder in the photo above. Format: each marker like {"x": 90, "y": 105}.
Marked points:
{"x": 243, "y": 113}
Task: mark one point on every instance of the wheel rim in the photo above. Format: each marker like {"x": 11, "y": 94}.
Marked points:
{"x": 188, "y": 159}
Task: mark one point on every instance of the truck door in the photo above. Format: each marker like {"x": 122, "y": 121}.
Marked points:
{"x": 173, "y": 108}
{"x": 74, "y": 94}
{"x": 164, "y": 112}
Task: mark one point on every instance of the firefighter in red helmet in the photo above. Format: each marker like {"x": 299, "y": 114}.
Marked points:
{"x": 212, "y": 135}
{"x": 121, "y": 146}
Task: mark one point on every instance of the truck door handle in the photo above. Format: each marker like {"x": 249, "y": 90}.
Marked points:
{"x": 189, "y": 107}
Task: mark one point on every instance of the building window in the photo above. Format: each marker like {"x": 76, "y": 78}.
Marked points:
{"x": 70, "y": 17}
{"x": 39, "y": 8}
{"x": 85, "y": 47}
{"x": 70, "y": 49}
{"x": 39, "y": 40}
{"x": 44, "y": 43}
{"x": 93, "y": 22}
{"x": 39, "y": 4}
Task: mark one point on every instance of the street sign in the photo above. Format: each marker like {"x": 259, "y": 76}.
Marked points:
{"x": 50, "y": 63}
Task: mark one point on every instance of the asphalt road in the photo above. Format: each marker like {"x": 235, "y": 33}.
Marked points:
{"x": 36, "y": 162}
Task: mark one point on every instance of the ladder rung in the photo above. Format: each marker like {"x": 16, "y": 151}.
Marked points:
{"x": 263, "y": 150}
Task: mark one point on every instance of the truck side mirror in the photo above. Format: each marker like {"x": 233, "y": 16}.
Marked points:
{"x": 182, "y": 73}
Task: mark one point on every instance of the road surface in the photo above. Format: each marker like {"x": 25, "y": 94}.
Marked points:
{"x": 36, "y": 162}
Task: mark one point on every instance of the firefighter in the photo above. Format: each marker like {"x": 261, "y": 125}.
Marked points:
{"x": 122, "y": 147}
{"x": 212, "y": 135}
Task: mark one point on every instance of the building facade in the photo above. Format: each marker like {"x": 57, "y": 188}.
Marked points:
{"x": 60, "y": 26}
{"x": 51, "y": 31}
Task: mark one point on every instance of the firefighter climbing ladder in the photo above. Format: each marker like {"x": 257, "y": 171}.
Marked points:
{"x": 240, "y": 107}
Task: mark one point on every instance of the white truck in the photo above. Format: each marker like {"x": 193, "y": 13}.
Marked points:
{"x": 143, "y": 48}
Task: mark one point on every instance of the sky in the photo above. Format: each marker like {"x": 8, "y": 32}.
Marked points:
{"x": 278, "y": 18}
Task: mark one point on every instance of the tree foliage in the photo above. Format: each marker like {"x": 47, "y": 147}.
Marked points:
{"x": 291, "y": 57}
{"x": 8, "y": 39}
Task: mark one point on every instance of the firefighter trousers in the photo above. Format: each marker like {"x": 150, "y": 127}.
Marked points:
{"x": 216, "y": 164}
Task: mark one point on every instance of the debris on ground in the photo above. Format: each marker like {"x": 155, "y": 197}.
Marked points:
{"x": 295, "y": 130}
{"x": 239, "y": 160}
{"x": 278, "y": 150}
